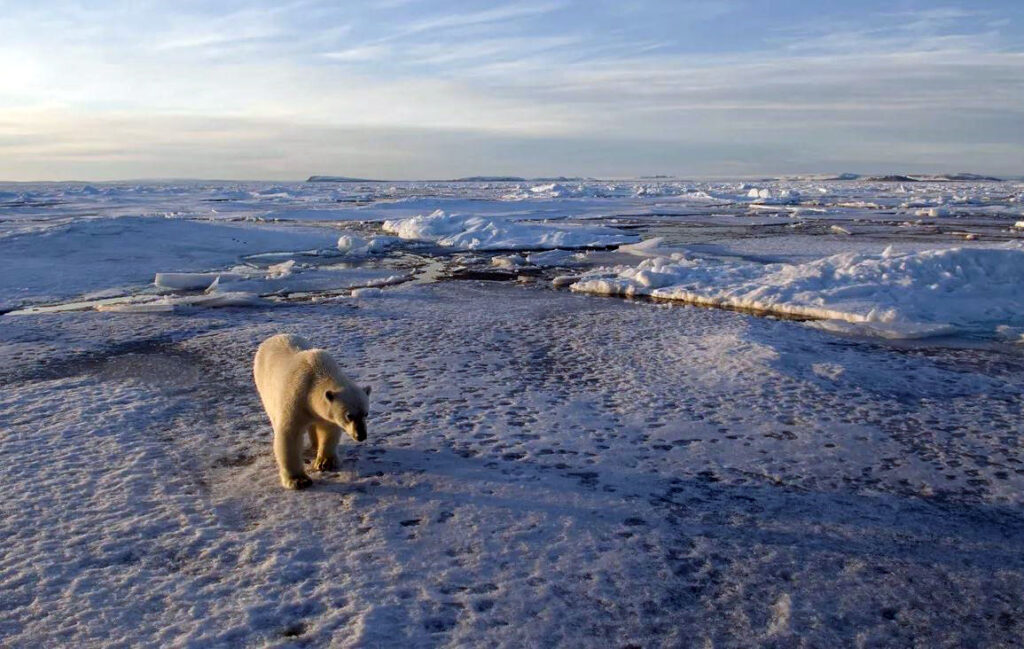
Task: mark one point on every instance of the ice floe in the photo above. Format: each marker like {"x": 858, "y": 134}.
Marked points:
{"x": 479, "y": 233}
{"x": 190, "y": 281}
{"x": 171, "y": 303}
{"x": 891, "y": 294}
{"x": 555, "y": 258}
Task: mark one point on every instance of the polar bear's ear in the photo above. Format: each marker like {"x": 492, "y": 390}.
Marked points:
{"x": 367, "y": 389}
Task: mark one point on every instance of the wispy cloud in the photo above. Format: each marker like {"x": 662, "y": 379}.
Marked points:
{"x": 654, "y": 76}
{"x": 216, "y": 39}
{"x": 943, "y": 28}
{"x": 477, "y": 18}
{"x": 360, "y": 53}
{"x": 488, "y": 49}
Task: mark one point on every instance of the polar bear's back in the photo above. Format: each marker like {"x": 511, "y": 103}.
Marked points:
{"x": 276, "y": 353}
{"x": 276, "y": 368}
{"x": 284, "y": 344}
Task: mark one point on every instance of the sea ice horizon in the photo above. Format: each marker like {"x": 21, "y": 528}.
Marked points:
{"x": 891, "y": 256}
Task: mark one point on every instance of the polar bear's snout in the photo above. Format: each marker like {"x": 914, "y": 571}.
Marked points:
{"x": 349, "y": 412}
{"x": 356, "y": 428}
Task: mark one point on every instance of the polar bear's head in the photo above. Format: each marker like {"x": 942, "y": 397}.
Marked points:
{"x": 348, "y": 407}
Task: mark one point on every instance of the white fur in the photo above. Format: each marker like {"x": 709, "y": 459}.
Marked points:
{"x": 304, "y": 391}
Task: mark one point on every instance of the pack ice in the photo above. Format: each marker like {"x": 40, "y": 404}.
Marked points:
{"x": 891, "y": 294}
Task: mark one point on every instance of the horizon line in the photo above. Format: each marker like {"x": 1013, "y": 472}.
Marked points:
{"x": 340, "y": 179}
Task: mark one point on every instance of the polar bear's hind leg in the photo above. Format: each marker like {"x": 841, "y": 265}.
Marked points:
{"x": 327, "y": 436}
{"x": 313, "y": 443}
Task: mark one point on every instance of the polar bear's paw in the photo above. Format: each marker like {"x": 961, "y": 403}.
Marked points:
{"x": 325, "y": 464}
{"x": 296, "y": 482}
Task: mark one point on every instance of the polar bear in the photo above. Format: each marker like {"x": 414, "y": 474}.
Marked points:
{"x": 304, "y": 391}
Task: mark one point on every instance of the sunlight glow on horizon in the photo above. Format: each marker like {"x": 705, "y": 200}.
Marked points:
{"x": 408, "y": 88}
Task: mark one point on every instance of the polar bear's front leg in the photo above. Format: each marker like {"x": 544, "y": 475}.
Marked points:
{"x": 327, "y": 436}
{"x": 288, "y": 451}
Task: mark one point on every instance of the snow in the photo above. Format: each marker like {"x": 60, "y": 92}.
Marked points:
{"x": 767, "y": 197}
{"x": 355, "y": 245}
{"x": 895, "y": 295}
{"x": 468, "y": 232}
{"x": 934, "y": 212}
{"x": 544, "y": 467}
{"x": 508, "y": 261}
{"x": 367, "y": 292}
{"x": 558, "y": 486}
{"x": 652, "y": 247}
{"x": 555, "y": 258}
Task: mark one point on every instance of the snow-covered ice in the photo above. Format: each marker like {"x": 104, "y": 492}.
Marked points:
{"x": 544, "y": 467}
{"x": 355, "y": 245}
{"x": 468, "y": 232}
{"x": 892, "y": 294}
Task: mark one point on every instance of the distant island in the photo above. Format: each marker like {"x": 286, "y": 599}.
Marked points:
{"x": 489, "y": 179}
{"x": 467, "y": 179}
{"x": 341, "y": 179}
{"x": 939, "y": 178}
{"x": 966, "y": 177}
{"x": 888, "y": 178}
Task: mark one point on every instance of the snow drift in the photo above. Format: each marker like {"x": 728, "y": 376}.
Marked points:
{"x": 895, "y": 295}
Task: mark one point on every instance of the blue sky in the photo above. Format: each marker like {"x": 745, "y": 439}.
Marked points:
{"x": 439, "y": 88}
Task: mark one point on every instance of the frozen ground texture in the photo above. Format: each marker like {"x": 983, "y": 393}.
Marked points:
{"x": 543, "y": 468}
{"x": 537, "y": 475}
